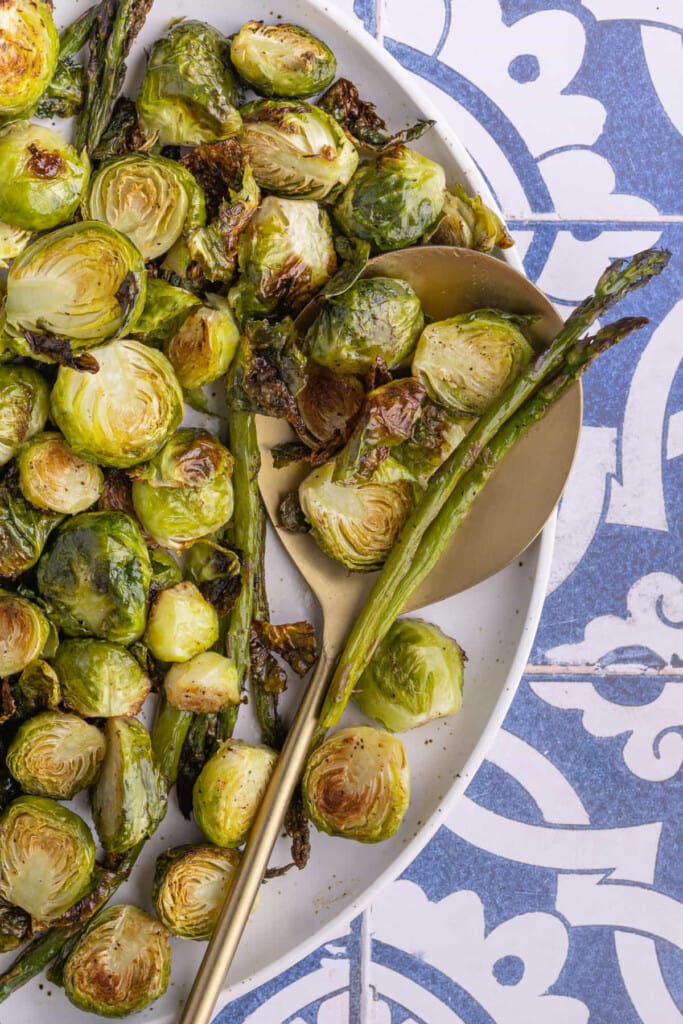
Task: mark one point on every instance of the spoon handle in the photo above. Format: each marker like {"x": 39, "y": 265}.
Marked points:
{"x": 264, "y": 831}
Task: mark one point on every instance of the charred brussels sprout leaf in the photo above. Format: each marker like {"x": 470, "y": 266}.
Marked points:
{"x": 467, "y": 222}
{"x": 216, "y": 570}
{"x": 126, "y": 411}
{"x": 205, "y": 344}
{"x": 24, "y": 529}
{"x": 434, "y": 435}
{"x": 414, "y": 676}
{"x": 15, "y": 927}
{"x": 166, "y": 309}
{"x": 181, "y": 624}
{"x": 229, "y": 789}
{"x": 393, "y": 201}
{"x": 362, "y": 123}
{"x": 165, "y": 570}
{"x": 190, "y": 887}
{"x": 53, "y": 477}
{"x": 24, "y": 632}
{"x": 100, "y": 679}
{"x": 120, "y": 965}
{"x": 467, "y": 361}
{"x": 24, "y": 407}
{"x": 30, "y": 47}
{"x": 55, "y": 755}
{"x": 282, "y": 59}
{"x": 357, "y": 784}
{"x": 48, "y": 857}
{"x": 188, "y": 93}
{"x": 208, "y": 682}
{"x": 95, "y": 576}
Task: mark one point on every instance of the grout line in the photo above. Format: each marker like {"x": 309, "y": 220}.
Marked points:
{"x": 667, "y": 671}
{"x": 380, "y": 20}
{"x": 627, "y": 222}
{"x": 365, "y": 1007}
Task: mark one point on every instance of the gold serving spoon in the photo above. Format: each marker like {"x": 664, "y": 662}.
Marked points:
{"x": 505, "y": 518}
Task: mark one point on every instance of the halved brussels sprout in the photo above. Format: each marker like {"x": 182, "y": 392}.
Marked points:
{"x": 53, "y": 477}
{"x": 190, "y": 887}
{"x": 415, "y": 675}
{"x": 468, "y": 222}
{"x": 282, "y": 59}
{"x": 357, "y": 784}
{"x": 85, "y": 282}
{"x": 296, "y": 149}
{"x": 12, "y": 242}
{"x": 100, "y": 679}
{"x": 208, "y": 682}
{"x": 185, "y": 492}
{"x": 393, "y": 201}
{"x": 129, "y": 796}
{"x": 285, "y": 255}
{"x": 24, "y": 632}
{"x": 28, "y": 57}
{"x": 55, "y": 755}
{"x": 166, "y": 308}
{"x": 204, "y": 346}
{"x": 229, "y": 788}
{"x": 375, "y": 317}
{"x": 465, "y": 362}
{"x": 42, "y": 177}
{"x": 24, "y": 407}
{"x": 126, "y": 411}
{"x": 47, "y": 857}
{"x": 15, "y": 927}
{"x": 95, "y": 575}
{"x": 357, "y": 523}
{"x": 39, "y": 683}
{"x": 434, "y": 435}
{"x": 24, "y": 529}
{"x": 181, "y": 623}
{"x": 189, "y": 92}
{"x": 120, "y": 965}
{"x": 148, "y": 198}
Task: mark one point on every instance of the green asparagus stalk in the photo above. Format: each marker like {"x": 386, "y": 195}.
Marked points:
{"x": 405, "y": 561}
{"x": 64, "y": 95}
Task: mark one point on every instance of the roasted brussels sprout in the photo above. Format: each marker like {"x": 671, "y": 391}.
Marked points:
{"x": 120, "y": 965}
{"x": 148, "y": 198}
{"x": 15, "y": 927}
{"x": 129, "y": 796}
{"x": 95, "y": 575}
{"x": 181, "y": 623}
{"x": 414, "y": 676}
{"x": 357, "y": 784}
{"x": 30, "y": 48}
{"x": 42, "y": 177}
{"x": 47, "y": 857}
{"x": 357, "y": 523}
{"x": 282, "y": 60}
{"x": 53, "y": 477}
{"x": 124, "y": 413}
{"x": 100, "y": 679}
{"x": 204, "y": 345}
{"x": 434, "y": 435}
{"x": 376, "y": 317}
{"x": 24, "y": 632}
{"x": 166, "y": 308}
{"x": 85, "y": 282}
{"x": 55, "y": 755}
{"x": 24, "y": 406}
{"x": 165, "y": 570}
{"x": 393, "y": 201}
{"x": 190, "y": 887}
{"x": 296, "y": 149}
{"x": 39, "y": 685}
{"x": 229, "y": 789}
{"x": 189, "y": 91}
{"x": 466, "y": 221}
{"x": 467, "y": 361}
{"x": 285, "y": 255}
{"x": 207, "y": 682}
{"x": 12, "y": 242}
{"x": 24, "y": 529}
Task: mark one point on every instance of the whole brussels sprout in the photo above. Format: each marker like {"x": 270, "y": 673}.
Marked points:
{"x": 189, "y": 91}
{"x": 120, "y": 965}
{"x": 190, "y": 887}
{"x": 208, "y": 682}
{"x": 24, "y": 529}
{"x": 185, "y": 492}
{"x": 296, "y": 149}
{"x": 53, "y": 477}
{"x": 166, "y": 309}
{"x": 30, "y": 48}
{"x": 181, "y": 623}
{"x": 12, "y": 241}
{"x": 375, "y": 317}
{"x": 126, "y": 411}
{"x": 467, "y": 222}
{"x": 55, "y": 755}
{"x": 129, "y": 796}
{"x": 148, "y": 198}
{"x": 357, "y": 523}
{"x": 47, "y": 857}
{"x": 204, "y": 345}
{"x": 282, "y": 59}
{"x": 24, "y": 406}
{"x": 415, "y": 675}
{"x": 85, "y": 282}
{"x": 95, "y": 575}
{"x": 357, "y": 784}
{"x": 100, "y": 679}
{"x": 393, "y": 201}
{"x": 465, "y": 362}
{"x": 285, "y": 255}
{"x": 42, "y": 177}
{"x": 15, "y": 927}
{"x": 229, "y": 789}
{"x": 24, "y": 632}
